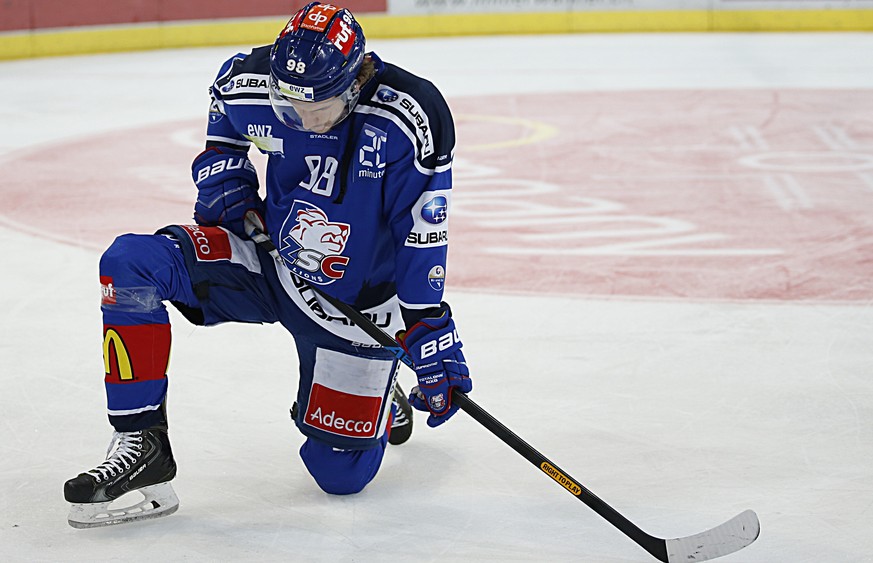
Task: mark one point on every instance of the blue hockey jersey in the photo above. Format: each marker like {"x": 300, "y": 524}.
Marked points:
{"x": 362, "y": 210}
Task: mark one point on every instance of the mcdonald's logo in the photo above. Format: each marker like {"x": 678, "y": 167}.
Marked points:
{"x": 112, "y": 341}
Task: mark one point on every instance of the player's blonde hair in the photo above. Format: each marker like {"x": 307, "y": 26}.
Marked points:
{"x": 366, "y": 72}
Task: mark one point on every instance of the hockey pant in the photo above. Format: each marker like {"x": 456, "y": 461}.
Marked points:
{"x": 212, "y": 277}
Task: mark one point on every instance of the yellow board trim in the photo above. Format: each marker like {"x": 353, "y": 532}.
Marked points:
{"x": 107, "y": 39}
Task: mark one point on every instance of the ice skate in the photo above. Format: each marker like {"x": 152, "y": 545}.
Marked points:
{"x": 401, "y": 423}
{"x": 140, "y": 463}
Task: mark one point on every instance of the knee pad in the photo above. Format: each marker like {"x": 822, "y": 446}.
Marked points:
{"x": 341, "y": 472}
{"x": 137, "y": 272}
{"x": 131, "y": 257}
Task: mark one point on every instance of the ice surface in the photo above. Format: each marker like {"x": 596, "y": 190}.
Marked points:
{"x": 678, "y": 412}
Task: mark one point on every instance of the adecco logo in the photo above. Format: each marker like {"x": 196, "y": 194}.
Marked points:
{"x": 344, "y": 414}
{"x": 210, "y": 243}
{"x": 345, "y": 426}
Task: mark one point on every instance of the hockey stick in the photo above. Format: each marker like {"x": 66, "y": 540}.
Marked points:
{"x": 733, "y": 535}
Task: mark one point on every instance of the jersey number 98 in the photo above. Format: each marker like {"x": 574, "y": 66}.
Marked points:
{"x": 297, "y": 67}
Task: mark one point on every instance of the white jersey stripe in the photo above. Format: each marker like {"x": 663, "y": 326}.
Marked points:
{"x": 248, "y": 102}
{"x": 406, "y": 305}
{"x": 228, "y": 140}
{"x": 133, "y": 411}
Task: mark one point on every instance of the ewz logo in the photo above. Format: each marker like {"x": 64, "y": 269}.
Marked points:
{"x": 312, "y": 245}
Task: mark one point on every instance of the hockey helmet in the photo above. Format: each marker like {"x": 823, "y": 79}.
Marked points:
{"x": 313, "y": 66}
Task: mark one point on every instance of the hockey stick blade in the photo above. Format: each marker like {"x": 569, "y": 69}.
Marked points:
{"x": 733, "y": 535}
{"x": 726, "y": 538}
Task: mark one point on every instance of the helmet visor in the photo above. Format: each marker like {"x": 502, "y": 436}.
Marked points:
{"x": 294, "y": 110}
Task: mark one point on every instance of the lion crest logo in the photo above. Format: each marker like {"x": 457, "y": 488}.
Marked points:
{"x": 312, "y": 244}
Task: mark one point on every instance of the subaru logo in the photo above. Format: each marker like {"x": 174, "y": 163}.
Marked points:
{"x": 434, "y": 211}
{"x": 387, "y": 95}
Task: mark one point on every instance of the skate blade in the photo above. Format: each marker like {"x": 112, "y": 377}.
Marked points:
{"x": 160, "y": 500}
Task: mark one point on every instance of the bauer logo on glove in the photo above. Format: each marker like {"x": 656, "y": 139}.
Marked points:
{"x": 227, "y": 188}
{"x": 445, "y": 342}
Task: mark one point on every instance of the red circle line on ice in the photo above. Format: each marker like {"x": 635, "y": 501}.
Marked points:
{"x": 738, "y": 195}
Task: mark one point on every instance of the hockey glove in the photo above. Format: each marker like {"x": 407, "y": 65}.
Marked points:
{"x": 227, "y": 186}
{"x": 435, "y": 349}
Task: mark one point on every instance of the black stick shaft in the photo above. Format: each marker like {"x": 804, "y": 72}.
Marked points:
{"x": 653, "y": 545}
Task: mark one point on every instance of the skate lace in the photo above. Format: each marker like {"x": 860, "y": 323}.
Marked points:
{"x": 399, "y": 417}
{"x": 127, "y": 446}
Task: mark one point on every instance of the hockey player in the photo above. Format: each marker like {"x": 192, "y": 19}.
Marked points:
{"x": 357, "y": 199}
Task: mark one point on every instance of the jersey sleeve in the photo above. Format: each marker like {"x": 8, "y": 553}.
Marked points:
{"x": 220, "y": 130}
{"x": 419, "y": 199}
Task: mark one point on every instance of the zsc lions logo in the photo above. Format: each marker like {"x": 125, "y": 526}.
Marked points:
{"x": 434, "y": 211}
{"x": 438, "y": 402}
{"x": 312, "y": 245}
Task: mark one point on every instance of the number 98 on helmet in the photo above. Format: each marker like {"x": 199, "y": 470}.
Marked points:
{"x": 313, "y": 66}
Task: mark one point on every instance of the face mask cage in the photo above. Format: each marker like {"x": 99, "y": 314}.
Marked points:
{"x": 294, "y": 106}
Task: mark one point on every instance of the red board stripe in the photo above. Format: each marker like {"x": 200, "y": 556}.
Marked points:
{"x": 40, "y": 14}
